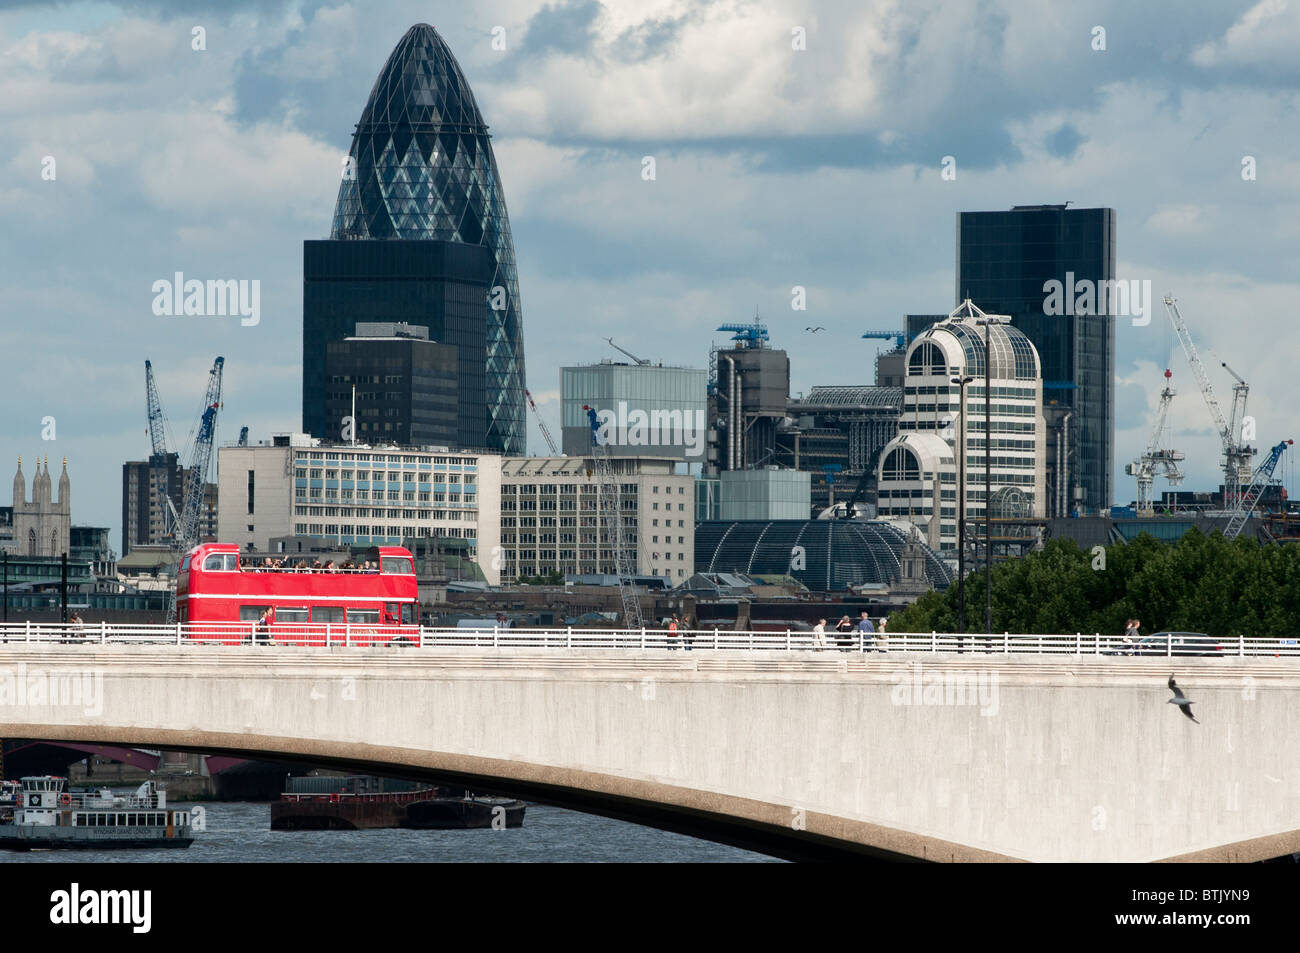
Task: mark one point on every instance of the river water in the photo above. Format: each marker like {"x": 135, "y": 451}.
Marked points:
{"x": 241, "y": 831}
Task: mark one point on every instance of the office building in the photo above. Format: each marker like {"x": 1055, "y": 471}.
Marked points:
{"x": 421, "y": 236}
{"x": 551, "y": 518}
{"x": 400, "y": 385}
{"x": 1004, "y": 261}
{"x": 358, "y": 496}
{"x": 919, "y": 472}
{"x": 836, "y": 433}
{"x": 768, "y": 493}
{"x": 645, "y": 409}
{"x": 147, "y": 485}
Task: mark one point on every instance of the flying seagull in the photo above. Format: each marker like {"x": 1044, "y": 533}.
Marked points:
{"x": 814, "y": 330}
{"x": 1181, "y": 700}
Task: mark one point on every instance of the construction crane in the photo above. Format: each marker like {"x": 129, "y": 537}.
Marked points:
{"x": 638, "y": 360}
{"x": 900, "y": 338}
{"x": 1144, "y": 468}
{"x": 748, "y": 335}
{"x": 550, "y": 441}
{"x": 1246, "y": 505}
{"x": 186, "y": 536}
{"x": 610, "y": 508}
{"x": 158, "y": 457}
{"x": 1237, "y": 456}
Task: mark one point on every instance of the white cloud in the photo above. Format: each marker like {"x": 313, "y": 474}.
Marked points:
{"x": 1266, "y": 34}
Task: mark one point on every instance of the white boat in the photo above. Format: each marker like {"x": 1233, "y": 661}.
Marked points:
{"x": 49, "y": 817}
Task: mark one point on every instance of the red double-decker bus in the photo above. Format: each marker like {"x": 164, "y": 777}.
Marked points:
{"x": 225, "y": 595}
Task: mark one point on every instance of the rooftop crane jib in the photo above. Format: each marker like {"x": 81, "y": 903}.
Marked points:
{"x": 900, "y": 338}
{"x": 638, "y": 360}
{"x": 748, "y": 335}
{"x": 546, "y": 433}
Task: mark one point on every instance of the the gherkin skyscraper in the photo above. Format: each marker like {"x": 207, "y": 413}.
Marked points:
{"x": 420, "y": 236}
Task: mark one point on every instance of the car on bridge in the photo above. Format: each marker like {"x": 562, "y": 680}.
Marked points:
{"x": 1171, "y": 643}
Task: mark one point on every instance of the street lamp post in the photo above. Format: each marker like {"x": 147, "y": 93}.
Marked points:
{"x": 988, "y": 481}
{"x": 961, "y": 382}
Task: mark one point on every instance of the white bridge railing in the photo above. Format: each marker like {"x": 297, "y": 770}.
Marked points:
{"x": 340, "y": 636}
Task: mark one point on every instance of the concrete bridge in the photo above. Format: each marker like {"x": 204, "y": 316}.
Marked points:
{"x": 907, "y": 755}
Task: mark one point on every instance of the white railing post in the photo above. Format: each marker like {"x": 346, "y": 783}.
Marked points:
{"x": 787, "y": 640}
{"x": 1241, "y": 645}
{"x": 1096, "y": 643}
{"x": 29, "y": 630}
{"x": 103, "y": 632}
{"x": 751, "y": 638}
{"x": 1169, "y": 645}
{"x": 327, "y": 635}
{"x": 178, "y": 633}
{"x": 934, "y": 641}
{"x": 1040, "y": 643}
{"x": 419, "y": 638}
{"x": 1078, "y": 644}
{"x": 642, "y": 637}
{"x": 1006, "y": 643}
{"x": 347, "y": 634}
{"x": 568, "y": 641}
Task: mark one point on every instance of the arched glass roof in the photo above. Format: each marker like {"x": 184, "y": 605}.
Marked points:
{"x": 836, "y": 553}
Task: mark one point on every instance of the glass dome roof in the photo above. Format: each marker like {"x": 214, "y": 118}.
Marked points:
{"x": 837, "y": 553}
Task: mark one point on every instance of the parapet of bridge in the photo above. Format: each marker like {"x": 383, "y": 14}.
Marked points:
{"x": 804, "y": 754}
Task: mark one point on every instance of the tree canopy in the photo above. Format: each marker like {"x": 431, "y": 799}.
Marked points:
{"x": 1200, "y": 584}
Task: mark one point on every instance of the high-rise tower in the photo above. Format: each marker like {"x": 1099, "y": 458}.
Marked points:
{"x": 1004, "y": 260}
{"x": 421, "y": 236}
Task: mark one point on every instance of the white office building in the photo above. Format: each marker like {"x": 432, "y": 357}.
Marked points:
{"x": 551, "y": 519}
{"x": 358, "y": 496}
{"x": 919, "y": 471}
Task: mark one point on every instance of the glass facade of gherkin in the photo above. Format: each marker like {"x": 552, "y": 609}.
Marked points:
{"x": 423, "y": 172}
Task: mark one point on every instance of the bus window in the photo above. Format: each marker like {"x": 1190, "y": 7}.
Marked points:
{"x": 290, "y": 614}
{"x": 398, "y": 565}
{"x": 251, "y": 613}
{"x": 216, "y": 562}
{"x": 327, "y": 613}
{"x": 408, "y": 613}
{"x": 363, "y": 615}
{"x": 232, "y": 562}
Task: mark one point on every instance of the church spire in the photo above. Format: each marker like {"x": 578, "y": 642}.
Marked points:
{"x": 65, "y": 487}
{"x": 20, "y": 484}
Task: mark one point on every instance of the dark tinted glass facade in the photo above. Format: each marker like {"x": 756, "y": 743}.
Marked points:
{"x": 424, "y": 172}
{"x": 405, "y": 391}
{"x": 441, "y": 286}
{"x": 1003, "y": 261}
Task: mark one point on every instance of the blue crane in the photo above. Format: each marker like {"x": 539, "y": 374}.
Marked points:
{"x": 750, "y": 335}
{"x": 1246, "y": 502}
{"x": 900, "y": 338}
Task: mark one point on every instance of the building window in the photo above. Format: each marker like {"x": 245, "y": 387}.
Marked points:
{"x": 250, "y": 492}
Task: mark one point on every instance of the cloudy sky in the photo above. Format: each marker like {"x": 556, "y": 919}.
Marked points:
{"x": 775, "y": 167}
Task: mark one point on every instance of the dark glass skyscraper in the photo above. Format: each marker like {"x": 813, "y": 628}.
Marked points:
{"x": 421, "y": 236}
{"x": 1003, "y": 261}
